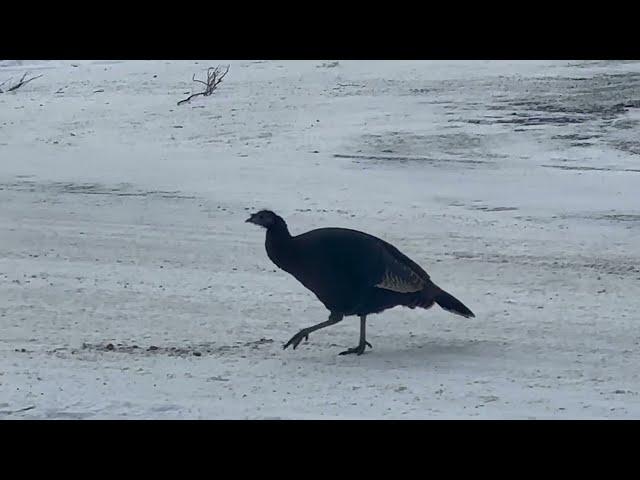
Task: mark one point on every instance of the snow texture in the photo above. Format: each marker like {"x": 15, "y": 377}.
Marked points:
{"x": 130, "y": 286}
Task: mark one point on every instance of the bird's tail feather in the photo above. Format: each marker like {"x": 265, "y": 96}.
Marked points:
{"x": 451, "y": 304}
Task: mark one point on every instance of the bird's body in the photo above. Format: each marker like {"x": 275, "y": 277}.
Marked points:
{"x": 351, "y": 272}
{"x": 340, "y": 266}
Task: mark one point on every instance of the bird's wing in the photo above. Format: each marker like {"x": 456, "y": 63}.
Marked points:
{"x": 400, "y": 273}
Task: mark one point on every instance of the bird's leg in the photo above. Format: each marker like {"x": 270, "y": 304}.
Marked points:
{"x": 363, "y": 341}
{"x": 304, "y": 333}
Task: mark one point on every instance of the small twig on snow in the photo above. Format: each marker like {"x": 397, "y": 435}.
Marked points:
{"x": 21, "y": 83}
{"x": 11, "y": 412}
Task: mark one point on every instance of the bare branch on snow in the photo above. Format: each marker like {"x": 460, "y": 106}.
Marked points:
{"x": 214, "y": 77}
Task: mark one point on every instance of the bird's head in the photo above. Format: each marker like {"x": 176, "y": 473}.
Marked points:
{"x": 264, "y": 218}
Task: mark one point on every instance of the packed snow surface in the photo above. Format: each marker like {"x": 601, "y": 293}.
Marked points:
{"x": 131, "y": 287}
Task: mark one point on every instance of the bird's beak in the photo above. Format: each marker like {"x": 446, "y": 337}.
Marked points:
{"x": 249, "y": 220}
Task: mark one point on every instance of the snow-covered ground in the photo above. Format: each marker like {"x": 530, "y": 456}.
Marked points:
{"x": 130, "y": 286}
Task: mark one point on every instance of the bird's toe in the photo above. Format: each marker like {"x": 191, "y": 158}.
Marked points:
{"x": 359, "y": 350}
{"x": 296, "y": 339}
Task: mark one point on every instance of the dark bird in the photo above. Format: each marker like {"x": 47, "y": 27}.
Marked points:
{"x": 351, "y": 273}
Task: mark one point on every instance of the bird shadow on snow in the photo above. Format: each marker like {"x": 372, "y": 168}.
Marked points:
{"x": 442, "y": 353}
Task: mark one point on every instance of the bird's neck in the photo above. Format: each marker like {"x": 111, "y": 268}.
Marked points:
{"x": 278, "y": 232}
{"x": 278, "y": 243}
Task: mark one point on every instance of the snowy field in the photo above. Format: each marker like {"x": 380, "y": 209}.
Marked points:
{"x": 130, "y": 286}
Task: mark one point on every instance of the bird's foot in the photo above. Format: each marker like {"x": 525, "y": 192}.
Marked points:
{"x": 359, "y": 349}
{"x": 297, "y": 338}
